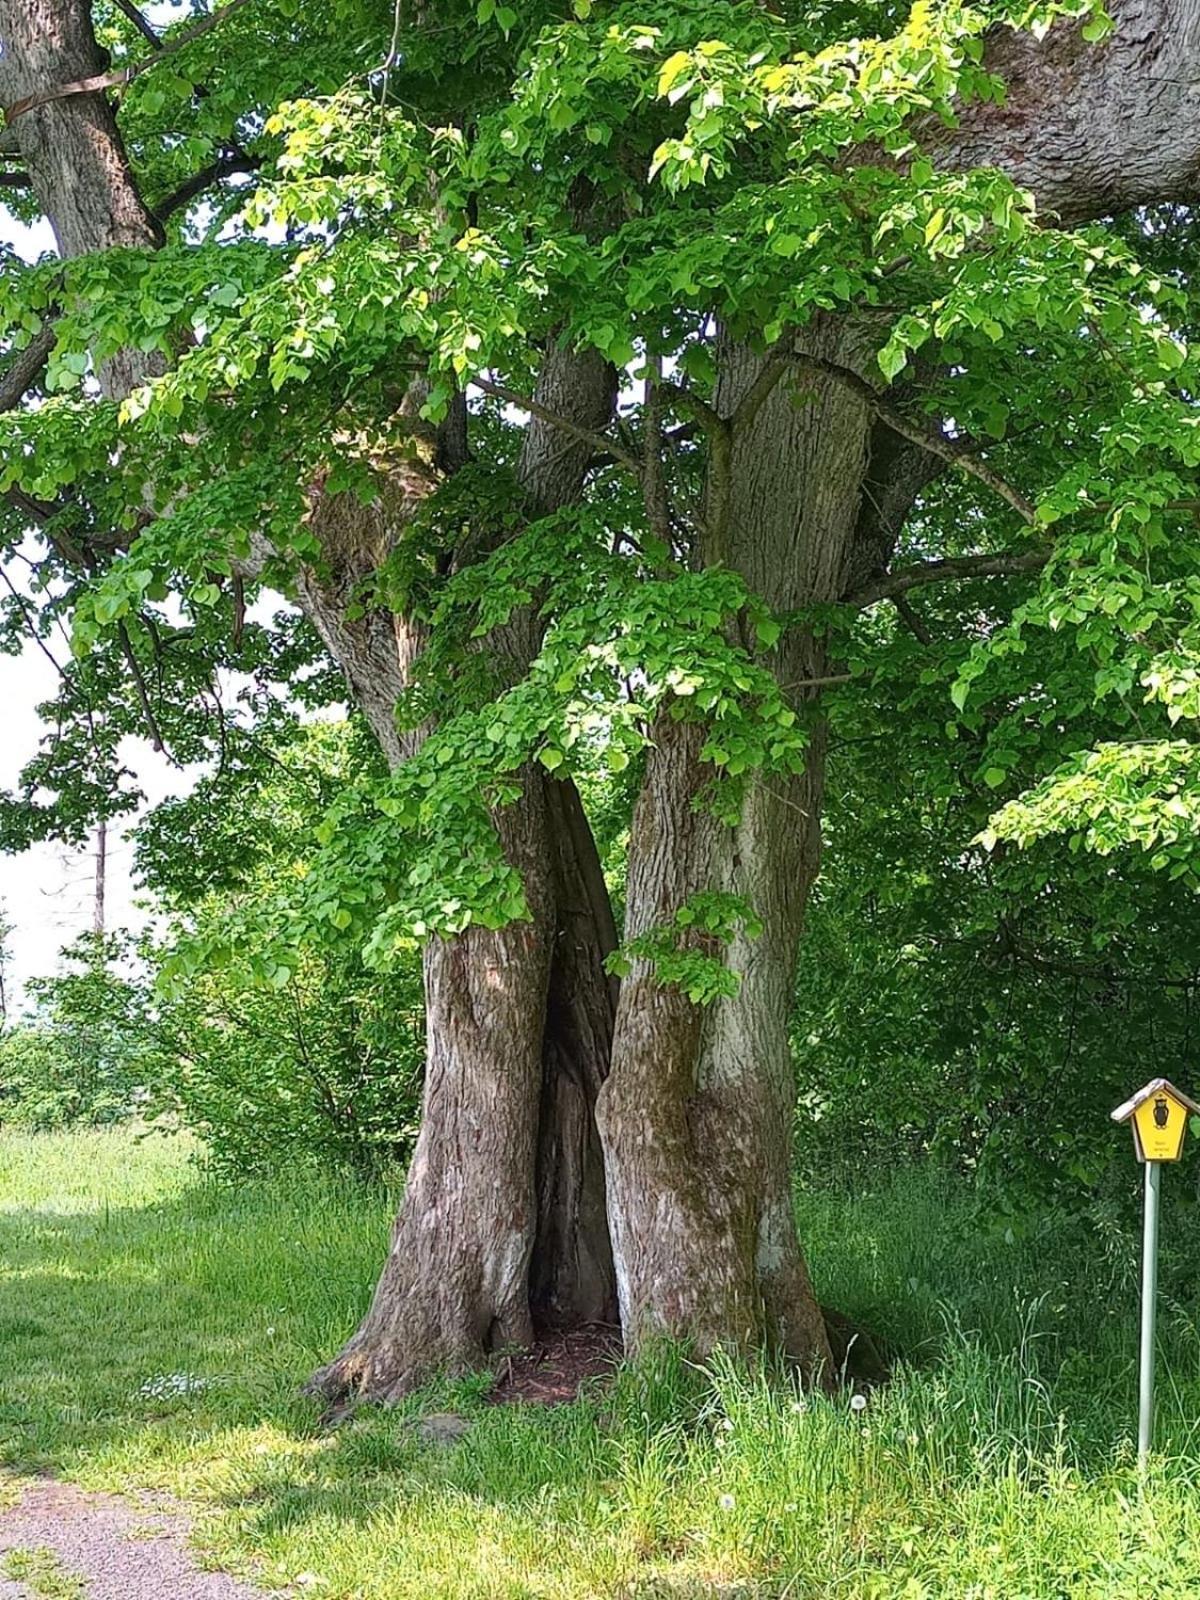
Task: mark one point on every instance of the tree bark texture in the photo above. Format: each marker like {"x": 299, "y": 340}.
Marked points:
{"x": 508, "y": 1152}
{"x": 696, "y": 1112}
{"x": 72, "y": 148}
{"x": 696, "y": 1115}
{"x": 504, "y": 1213}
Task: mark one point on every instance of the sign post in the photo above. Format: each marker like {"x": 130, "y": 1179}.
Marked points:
{"x": 1158, "y": 1115}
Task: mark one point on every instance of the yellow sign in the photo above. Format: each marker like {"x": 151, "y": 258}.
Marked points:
{"x": 1158, "y": 1115}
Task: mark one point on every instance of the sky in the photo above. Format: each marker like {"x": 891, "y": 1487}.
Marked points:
{"x": 46, "y": 892}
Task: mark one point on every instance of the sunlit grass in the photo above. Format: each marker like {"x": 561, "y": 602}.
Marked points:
{"x": 154, "y": 1331}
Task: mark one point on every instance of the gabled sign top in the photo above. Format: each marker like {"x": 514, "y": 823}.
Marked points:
{"x": 1159, "y": 1115}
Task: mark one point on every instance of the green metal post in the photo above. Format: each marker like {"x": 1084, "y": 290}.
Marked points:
{"x": 1149, "y": 1309}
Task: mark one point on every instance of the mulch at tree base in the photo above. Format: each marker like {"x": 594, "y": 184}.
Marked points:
{"x": 560, "y": 1362}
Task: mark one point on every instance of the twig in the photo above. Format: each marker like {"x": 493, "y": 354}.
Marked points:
{"x": 30, "y": 624}
{"x": 139, "y": 683}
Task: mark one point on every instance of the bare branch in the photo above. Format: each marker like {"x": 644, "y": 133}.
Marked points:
{"x": 223, "y": 167}
{"x": 143, "y": 27}
{"x": 30, "y": 623}
{"x": 606, "y": 446}
{"x": 139, "y": 683}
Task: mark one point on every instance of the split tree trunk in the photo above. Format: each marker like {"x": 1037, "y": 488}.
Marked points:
{"x": 503, "y": 1221}
{"x": 507, "y": 1154}
{"x": 695, "y": 1114}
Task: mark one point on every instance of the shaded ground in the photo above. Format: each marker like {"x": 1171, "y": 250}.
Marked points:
{"x": 557, "y": 1366}
{"x": 117, "y": 1550}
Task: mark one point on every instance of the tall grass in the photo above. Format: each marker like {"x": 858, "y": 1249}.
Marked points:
{"x": 154, "y": 1330}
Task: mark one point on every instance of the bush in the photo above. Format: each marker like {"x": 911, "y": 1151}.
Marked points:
{"x": 325, "y": 1070}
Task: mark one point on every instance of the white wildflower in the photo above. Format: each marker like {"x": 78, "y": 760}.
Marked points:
{"x": 858, "y": 1402}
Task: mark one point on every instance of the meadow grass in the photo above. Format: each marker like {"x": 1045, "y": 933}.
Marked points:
{"x": 155, "y": 1329}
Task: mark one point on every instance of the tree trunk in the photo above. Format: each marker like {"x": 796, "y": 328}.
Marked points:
{"x": 504, "y": 1220}
{"x": 696, "y": 1115}
{"x": 456, "y": 1284}
{"x": 572, "y": 1279}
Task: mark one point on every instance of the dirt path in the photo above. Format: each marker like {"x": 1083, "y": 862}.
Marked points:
{"x": 115, "y": 1549}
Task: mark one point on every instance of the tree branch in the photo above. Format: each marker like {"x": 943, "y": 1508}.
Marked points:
{"x": 139, "y": 683}
{"x": 928, "y": 438}
{"x": 953, "y": 567}
{"x": 224, "y": 167}
{"x": 143, "y": 27}
{"x": 100, "y": 81}
{"x": 601, "y": 442}
{"x": 26, "y": 368}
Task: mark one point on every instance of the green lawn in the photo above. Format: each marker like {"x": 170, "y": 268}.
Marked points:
{"x": 154, "y": 1330}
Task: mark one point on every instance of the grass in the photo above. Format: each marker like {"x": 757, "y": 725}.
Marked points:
{"x": 154, "y": 1330}
{"x": 42, "y": 1574}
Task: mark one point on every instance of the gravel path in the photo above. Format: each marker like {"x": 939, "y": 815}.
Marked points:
{"x": 120, "y": 1550}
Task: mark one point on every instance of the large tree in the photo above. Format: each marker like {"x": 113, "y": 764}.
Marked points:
{"x": 578, "y": 371}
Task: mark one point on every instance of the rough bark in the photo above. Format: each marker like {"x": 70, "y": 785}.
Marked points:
{"x": 72, "y": 148}
{"x": 456, "y": 1282}
{"x": 1092, "y": 129}
{"x": 696, "y": 1113}
{"x": 696, "y": 1116}
{"x": 503, "y": 1213}
{"x": 455, "y": 1286}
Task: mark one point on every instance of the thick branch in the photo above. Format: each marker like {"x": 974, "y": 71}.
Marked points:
{"x": 97, "y": 82}
{"x": 224, "y": 167}
{"x": 1090, "y": 129}
{"x": 26, "y": 368}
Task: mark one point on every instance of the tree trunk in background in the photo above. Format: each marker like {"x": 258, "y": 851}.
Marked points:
{"x": 100, "y": 886}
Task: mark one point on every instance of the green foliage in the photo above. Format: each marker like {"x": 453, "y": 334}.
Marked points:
{"x": 323, "y": 1070}
{"x": 82, "y": 1056}
{"x": 683, "y": 951}
{"x": 959, "y": 996}
{"x": 277, "y": 1045}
